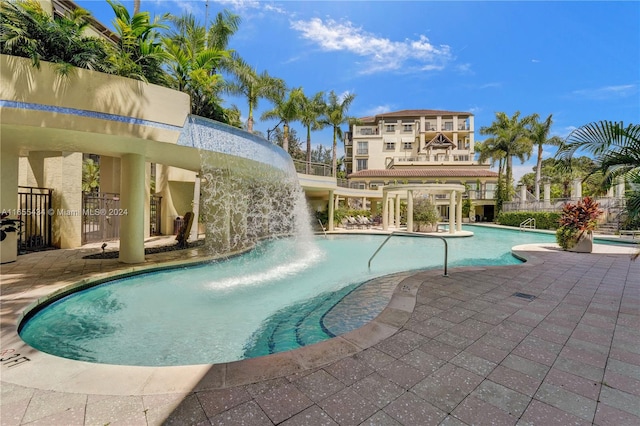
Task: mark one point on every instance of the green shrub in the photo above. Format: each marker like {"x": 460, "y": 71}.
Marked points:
{"x": 424, "y": 212}
{"x": 544, "y": 220}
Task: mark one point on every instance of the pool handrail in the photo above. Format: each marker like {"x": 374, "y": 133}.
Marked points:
{"x": 415, "y": 234}
{"x": 323, "y": 228}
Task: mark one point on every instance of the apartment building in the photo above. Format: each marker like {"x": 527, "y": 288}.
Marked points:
{"x": 417, "y": 147}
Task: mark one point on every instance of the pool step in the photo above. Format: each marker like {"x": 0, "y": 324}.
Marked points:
{"x": 294, "y": 326}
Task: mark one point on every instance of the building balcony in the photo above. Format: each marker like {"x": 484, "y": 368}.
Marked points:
{"x": 424, "y": 159}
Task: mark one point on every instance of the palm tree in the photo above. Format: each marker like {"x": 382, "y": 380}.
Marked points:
{"x": 311, "y": 111}
{"x": 489, "y": 150}
{"x": 336, "y": 116}
{"x": 139, "y": 53}
{"x": 511, "y": 137}
{"x": 190, "y": 66}
{"x": 26, "y": 30}
{"x": 253, "y": 86}
{"x": 616, "y": 150}
{"x": 539, "y": 135}
{"x": 286, "y": 109}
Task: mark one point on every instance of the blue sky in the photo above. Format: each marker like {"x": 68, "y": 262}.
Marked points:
{"x": 579, "y": 61}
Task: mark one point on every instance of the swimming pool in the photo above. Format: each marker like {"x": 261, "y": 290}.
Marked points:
{"x": 282, "y": 295}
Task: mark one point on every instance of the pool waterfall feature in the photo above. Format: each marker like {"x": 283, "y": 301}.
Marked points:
{"x": 249, "y": 188}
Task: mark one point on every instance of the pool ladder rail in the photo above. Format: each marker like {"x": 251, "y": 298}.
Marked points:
{"x": 323, "y": 228}
{"x": 529, "y": 223}
{"x": 415, "y": 234}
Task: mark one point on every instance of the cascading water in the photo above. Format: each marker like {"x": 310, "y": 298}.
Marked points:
{"x": 249, "y": 190}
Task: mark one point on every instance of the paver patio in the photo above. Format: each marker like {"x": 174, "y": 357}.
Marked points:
{"x": 468, "y": 352}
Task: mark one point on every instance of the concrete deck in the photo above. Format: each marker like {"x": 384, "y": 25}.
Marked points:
{"x": 447, "y": 350}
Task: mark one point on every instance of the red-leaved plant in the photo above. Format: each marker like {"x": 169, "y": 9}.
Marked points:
{"x": 576, "y": 220}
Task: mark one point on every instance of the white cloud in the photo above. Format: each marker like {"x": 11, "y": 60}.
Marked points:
{"x": 382, "y": 54}
{"x": 535, "y": 61}
{"x": 607, "y": 92}
{"x": 377, "y": 110}
{"x": 564, "y": 132}
{"x": 240, "y": 4}
{"x": 490, "y": 85}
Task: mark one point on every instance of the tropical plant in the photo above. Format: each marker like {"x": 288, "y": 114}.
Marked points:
{"x": 561, "y": 177}
{"x": 139, "y": 53}
{"x": 511, "y": 138}
{"x": 26, "y": 30}
{"x": 90, "y": 175}
{"x": 616, "y": 149}
{"x": 539, "y": 135}
{"x": 576, "y": 220}
{"x": 335, "y": 116}
{"x": 320, "y": 154}
{"x": 424, "y": 212}
{"x": 295, "y": 146}
{"x": 310, "y": 113}
{"x": 191, "y": 64}
{"x": 286, "y": 107}
{"x": 7, "y": 225}
{"x": 252, "y": 86}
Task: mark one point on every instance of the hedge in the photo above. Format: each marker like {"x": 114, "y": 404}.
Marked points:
{"x": 544, "y": 220}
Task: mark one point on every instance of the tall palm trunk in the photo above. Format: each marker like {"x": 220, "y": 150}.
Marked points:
{"x": 308, "y": 167}
{"x": 538, "y": 172}
{"x": 334, "y": 158}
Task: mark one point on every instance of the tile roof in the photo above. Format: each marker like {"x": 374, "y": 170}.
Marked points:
{"x": 413, "y": 113}
{"x": 425, "y": 173}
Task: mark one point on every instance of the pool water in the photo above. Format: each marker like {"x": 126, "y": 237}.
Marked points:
{"x": 284, "y": 294}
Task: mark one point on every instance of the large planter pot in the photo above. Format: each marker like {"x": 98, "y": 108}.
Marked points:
{"x": 426, "y": 227}
{"x": 584, "y": 244}
{"x": 9, "y": 248}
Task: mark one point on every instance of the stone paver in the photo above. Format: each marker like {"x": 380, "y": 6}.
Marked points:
{"x": 469, "y": 353}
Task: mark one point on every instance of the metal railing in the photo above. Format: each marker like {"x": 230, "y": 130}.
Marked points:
{"x": 310, "y": 168}
{"x": 35, "y": 227}
{"x": 529, "y": 223}
{"x": 413, "y": 234}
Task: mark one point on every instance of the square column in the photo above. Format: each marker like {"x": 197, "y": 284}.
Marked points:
{"x": 385, "y": 211}
{"x": 452, "y": 212}
{"x": 459, "y": 212}
{"x": 410, "y": 210}
{"x": 397, "y": 211}
{"x": 132, "y": 201}
{"x": 331, "y": 208}
{"x": 9, "y": 203}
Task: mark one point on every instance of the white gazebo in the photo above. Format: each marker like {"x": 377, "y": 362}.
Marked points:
{"x": 393, "y": 194}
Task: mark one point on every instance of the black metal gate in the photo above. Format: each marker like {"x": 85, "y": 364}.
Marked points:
{"x": 98, "y": 222}
{"x": 34, "y": 232}
{"x": 155, "y": 214}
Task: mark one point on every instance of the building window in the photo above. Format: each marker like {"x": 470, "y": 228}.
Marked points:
{"x": 447, "y": 125}
{"x": 407, "y": 145}
{"x": 407, "y": 127}
{"x": 363, "y": 148}
{"x": 389, "y": 146}
{"x": 363, "y": 163}
{"x": 429, "y": 126}
{"x": 390, "y": 128}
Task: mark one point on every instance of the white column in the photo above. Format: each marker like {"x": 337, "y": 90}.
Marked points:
{"x": 410, "y": 210}
{"x": 577, "y": 189}
{"x": 391, "y": 210}
{"x": 385, "y": 210}
{"x": 547, "y": 194}
{"x": 132, "y": 198}
{"x": 9, "y": 202}
{"x": 620, "y": 188}
{"x": 459, "y": 212}
{"x": 331, "y": 208}
{"x": 398, "y": 211}
{"x": 452, "y": 212}
{"x": 364, "y": 203}
{"x": 193, "y": 236}
{"x": 523, "y": 195}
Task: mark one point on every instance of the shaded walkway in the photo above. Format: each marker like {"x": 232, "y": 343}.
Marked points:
{"x": 470, "y": 353}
